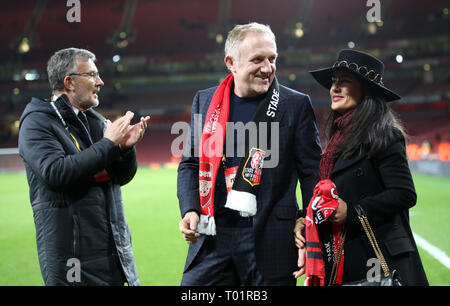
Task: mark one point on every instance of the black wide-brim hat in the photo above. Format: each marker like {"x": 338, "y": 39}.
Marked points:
{"x": 367, "y": 68}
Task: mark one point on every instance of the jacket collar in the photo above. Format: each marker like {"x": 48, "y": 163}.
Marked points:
{"x": 342, "y": 164}
{"x": 65, "y": 108}
{"x": 68, "y": 112}
{"x": 96, "y": 121}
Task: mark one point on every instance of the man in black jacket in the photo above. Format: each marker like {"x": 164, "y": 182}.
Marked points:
{"x": 76, "y": 161}
{"x": 258, "y": 249}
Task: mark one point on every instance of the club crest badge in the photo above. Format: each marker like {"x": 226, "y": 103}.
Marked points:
{"x": 252, "y": 169}
{"x": 205, "y": 181}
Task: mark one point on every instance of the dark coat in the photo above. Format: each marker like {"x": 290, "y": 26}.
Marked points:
{"x": 383, "y": 187}
{"x": 299, "y": 156}
{"x": 75, "y": 217}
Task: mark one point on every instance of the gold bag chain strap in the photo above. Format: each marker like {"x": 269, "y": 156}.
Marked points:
{"x": 337, "y": 258}
{"x": 373, "y": 241}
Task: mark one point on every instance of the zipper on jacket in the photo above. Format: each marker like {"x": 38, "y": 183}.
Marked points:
{"x": 76, "y": 235}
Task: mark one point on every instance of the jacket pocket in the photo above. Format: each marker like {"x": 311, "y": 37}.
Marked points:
{"x": 399, "y": 246}
{"x": 76, "y": 236}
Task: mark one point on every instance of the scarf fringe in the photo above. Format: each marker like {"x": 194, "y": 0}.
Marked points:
{"x": 244, "y": 202}
{"x": 206, "y": 225}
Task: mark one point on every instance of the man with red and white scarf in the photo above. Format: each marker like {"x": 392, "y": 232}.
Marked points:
{"x": 238, "y": 176}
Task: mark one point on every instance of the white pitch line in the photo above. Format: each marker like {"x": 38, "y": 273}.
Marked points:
{"x": 433, "y": 251}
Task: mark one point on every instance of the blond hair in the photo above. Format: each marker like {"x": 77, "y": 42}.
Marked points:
{"x": 237, "y": 35}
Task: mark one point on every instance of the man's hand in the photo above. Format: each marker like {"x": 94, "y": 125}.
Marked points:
{"x": 134, "y": 133}
{"x": 300, "y": 243}
{"x": 299, "y": 239}
{"x": 188, "y": 225}
{"x": 300, "y": 262}
{"x": 115, "y": 131}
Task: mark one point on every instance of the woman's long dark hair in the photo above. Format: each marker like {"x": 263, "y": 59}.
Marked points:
{"x": 373, "y": 124}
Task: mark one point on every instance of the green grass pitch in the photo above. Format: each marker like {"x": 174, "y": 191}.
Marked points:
{"x": 152, "y": 212}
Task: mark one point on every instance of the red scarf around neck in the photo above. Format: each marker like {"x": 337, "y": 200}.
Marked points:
{"x": 211, "y": 152}
{"x": 323, "y": 203}
{"x": 242, "y": 196}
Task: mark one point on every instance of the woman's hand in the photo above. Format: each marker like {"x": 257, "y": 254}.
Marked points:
{"x": 339, "y": 216}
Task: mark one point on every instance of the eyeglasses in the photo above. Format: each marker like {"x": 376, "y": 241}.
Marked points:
{"x": 92, "y": 74}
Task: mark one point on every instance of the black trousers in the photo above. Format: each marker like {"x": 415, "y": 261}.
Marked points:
{"x": 228, "y": 259}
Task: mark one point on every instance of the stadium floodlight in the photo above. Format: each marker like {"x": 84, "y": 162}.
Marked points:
{"x": 24, "y": 46}
{"x": 31, "y": 75}
{"x": 219, "y": 38}
{"x": 372, "y": 28}
{"x": 298, "y": 33}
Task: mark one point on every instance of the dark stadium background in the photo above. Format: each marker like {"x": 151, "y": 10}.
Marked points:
{"x": 153, "y": 55}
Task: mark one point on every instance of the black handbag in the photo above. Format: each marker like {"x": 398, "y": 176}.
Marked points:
{"x": 388, "y": 278}
{"x": 391, "y": 280}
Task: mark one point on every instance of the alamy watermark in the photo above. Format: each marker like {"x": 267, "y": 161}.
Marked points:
{"x": 374, "y": 273}
{"x": 374, "y": 13}
{"x": 258, "y": 137}
{"x": 74, "y": 13}
{"x": 73, "y": 275}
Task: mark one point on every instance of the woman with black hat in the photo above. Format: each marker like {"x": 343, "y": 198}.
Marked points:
{"x": 364, "y": 175}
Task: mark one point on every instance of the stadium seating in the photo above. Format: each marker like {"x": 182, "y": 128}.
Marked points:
{"x": 172, "y": 53}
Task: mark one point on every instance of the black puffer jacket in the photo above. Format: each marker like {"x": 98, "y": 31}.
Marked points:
{"x": 76, "y": 217}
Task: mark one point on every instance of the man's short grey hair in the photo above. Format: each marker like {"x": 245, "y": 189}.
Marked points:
{"x": 63, "y": 63}
{"x": 237, "y": 35}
